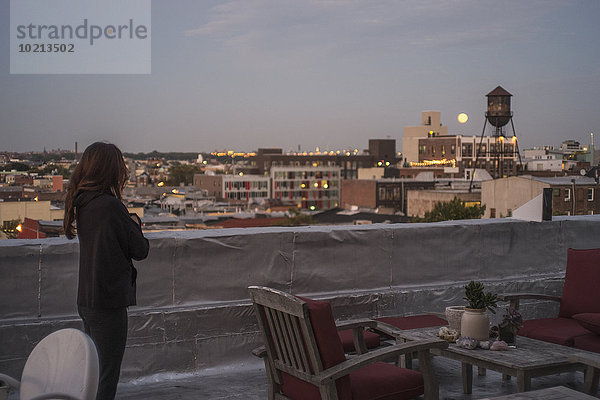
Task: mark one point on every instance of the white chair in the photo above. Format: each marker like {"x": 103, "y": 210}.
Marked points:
{"x": 64, "y": 365}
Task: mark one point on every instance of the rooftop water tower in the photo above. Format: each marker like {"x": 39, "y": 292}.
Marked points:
{"x": 501, "y": 156}
{"x": 498, "y": 109}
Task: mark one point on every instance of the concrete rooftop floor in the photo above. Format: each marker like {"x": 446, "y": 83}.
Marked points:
{"x": 249, "y": 382}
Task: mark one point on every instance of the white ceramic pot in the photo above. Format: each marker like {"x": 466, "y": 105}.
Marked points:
{"x": 475, "y": 324}
{"x": 454, "y": 315}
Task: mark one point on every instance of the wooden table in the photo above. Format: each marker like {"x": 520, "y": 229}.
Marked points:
{"x": 532, "y": 358}
{"x": 553, "y": 393}
{"x": 592, "y": 372}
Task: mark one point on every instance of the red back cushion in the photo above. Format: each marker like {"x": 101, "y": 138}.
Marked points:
{"x": 330, "y": 349}
{"x": 590, "y": 321}
{"x": 414, "y": 321}
{"x": 580, "y": 293}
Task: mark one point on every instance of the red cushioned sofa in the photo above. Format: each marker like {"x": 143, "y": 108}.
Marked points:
{"x": 578, "y": 322}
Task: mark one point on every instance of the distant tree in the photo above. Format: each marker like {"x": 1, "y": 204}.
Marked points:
{"x": 52, "y": 169}
{"x": 295, "y": 219}
{"x": 161, "y": 155}
{"x": 47, "y": 157}
{"x": 17, "y": 166}
{"x": 452, "y": 210}
{"x": 179, "y": 174}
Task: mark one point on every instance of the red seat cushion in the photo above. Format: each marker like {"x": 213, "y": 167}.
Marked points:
{"x": 590, "y": 321}
{"x": 381, "y": 381}
{"x": 580, "y": 293}
{"x": 561, "y": 331}
{"x": 330, "y": 349}
{"x": 414, "y": 321}
{"x": 590, "y": 342}
{"x": 372, "y": 340}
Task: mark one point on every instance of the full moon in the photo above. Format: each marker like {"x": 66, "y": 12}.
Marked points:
{"x": 462, "y": 118}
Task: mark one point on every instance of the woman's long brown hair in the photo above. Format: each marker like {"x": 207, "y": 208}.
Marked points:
{"x": 101, "y": 168}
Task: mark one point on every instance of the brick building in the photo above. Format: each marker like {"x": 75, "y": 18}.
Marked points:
{"x": 380, "y": 193}
{"x": 497, "y": 155}
{"x": 213, "y": 184}
{"x": 571, "y": 195}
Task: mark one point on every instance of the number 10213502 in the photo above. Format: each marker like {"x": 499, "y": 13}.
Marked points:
{"x": 46, "y": 48}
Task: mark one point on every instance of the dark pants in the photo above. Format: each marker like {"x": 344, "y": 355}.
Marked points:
{"x": 108, "y": 330}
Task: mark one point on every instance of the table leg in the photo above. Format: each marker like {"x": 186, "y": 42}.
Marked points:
{"x": 523, "y": 381}
{"x": 467, "y": 377}
{"x": 590, "y": 381}
{"x": 404, "y": 360}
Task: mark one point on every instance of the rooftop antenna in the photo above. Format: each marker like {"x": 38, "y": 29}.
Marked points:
{"x": 592, "y": 150}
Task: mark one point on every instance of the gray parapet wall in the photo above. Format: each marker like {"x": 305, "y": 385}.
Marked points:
{"x": 193, "y": 310}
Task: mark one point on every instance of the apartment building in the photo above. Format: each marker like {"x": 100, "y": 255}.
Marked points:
{"x": 311, "y": 188}
{"x": 242, "y": 187}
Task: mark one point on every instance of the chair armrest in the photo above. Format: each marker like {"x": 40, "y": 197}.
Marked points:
{"x": 260, "y": 352}
{"x": 392, "y": 331}
{"x": 344, "y": 368}
{"x": 12, "y": 382}
{"x": 358, "y": 326}
{"x": 514, "y": 298}
{"x": 55, "y": 395}
{"x": 356, "y": 323}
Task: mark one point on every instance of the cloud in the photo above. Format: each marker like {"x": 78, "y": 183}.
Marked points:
{"x": 277, "y": 25}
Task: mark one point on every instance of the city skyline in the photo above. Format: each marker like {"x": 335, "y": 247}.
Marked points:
{"x": 257, "y": 73}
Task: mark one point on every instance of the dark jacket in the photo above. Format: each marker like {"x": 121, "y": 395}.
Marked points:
{"x": 108, "y": 240}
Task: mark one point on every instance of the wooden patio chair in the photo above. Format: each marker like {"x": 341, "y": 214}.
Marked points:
{"x": 304, "y": 358}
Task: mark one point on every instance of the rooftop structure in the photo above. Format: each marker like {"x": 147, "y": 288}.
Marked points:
{"x": 193, "y": 310}
{"x": 194, "y": 318}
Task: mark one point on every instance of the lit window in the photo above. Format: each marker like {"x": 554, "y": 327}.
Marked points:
{"x": 567, "y": 194}
{"x": 590, "y": 194}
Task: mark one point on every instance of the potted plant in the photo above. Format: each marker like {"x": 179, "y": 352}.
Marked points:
{"x": 510, "y": 324}
{"x": 475, "y": 322}
{"x": 454, "y": 315}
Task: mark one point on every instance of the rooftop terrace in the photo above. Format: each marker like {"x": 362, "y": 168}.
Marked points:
{"x": 249, "y": 383}
{"x": 193, "y": 329}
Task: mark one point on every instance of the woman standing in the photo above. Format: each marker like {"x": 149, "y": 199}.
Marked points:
{"x": 109, "y": 238}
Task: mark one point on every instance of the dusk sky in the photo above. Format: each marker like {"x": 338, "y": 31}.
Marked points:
{"x": 246, "y": 74}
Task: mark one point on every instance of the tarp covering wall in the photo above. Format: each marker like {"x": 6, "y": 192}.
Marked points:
{"x": 193, "y": 309}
